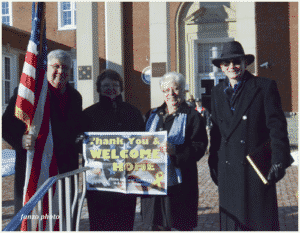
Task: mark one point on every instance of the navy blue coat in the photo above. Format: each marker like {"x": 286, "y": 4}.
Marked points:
{"x": 257, "y": 118}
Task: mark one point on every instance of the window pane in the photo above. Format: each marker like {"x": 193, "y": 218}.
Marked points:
{"x": 65, "y": 18}
{"x": 75, "y": 17}
{"x": 205, "y": 56}
{"x": 66, "y": 6}
{"x": 7, "y": 91}
{"x": 69, "y": 17}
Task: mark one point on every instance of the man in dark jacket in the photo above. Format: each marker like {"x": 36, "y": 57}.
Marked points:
{"x": 65, "y": 111}
{"x": 246, "y": 113}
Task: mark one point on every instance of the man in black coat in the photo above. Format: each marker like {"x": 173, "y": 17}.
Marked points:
{"x": 246, "y": 113}
{"x": 65, "y": 112}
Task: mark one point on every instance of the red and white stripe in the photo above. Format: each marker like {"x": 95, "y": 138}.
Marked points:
{"x": 33, "y": 108}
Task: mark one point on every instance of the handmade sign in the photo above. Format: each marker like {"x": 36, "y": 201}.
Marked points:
{"x": 126, "y": 162}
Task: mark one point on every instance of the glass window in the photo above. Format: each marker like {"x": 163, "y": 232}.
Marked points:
{"x": 66, "y": 15}
{"x": 205, "y": 57}
{"x": 7, "y": 13}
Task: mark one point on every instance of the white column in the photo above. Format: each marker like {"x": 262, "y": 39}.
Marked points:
{"x": 159, "y": 20}
{"x": 87, "y": 49}
{"x": 114, "y": 37}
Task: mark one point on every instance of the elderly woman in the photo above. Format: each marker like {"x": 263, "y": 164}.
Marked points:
{"x": 110, "y": 211}
{"x": 187, "y": 141}
{"x": 65, "y": 111}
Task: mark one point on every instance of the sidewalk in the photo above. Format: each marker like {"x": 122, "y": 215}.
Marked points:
{"x": 208, "y": 202}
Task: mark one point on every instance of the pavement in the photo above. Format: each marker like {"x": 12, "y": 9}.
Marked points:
{"x": 208, "y": 208}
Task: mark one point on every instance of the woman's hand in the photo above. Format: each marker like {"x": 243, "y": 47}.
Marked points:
{"x": 28, "y": 142}
{"x": 167, "y": 147}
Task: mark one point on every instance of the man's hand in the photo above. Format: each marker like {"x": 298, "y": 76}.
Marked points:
{"x": 28, "y": 142}
{"x": 167, "y": 147}
{"x": 276, "y": 173}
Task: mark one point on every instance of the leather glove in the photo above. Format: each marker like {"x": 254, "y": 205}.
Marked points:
{"x": 276, "y": 173}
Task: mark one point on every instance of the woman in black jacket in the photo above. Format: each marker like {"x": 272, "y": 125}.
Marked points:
{"x": 186, "y": 144}
{"x": 110, "y": 211}
{"x": 65, "y": 112}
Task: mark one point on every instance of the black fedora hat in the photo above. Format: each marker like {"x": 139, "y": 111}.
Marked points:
{"x": 231, "y": 50}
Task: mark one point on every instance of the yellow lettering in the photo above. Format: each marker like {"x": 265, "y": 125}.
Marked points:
{"x": 112, "y": 141}
{"x": 98, "y": 141}
{"x": 124, "y": 154}
{"x": 96, "y": 154}
{"x": 105, "y": 154}
{"x": 92, "y": 141}
{"x": 118, "y": 166}
{"x": 105, "y": 141}
{"x": 129, "y": 166}
{"x": 131, "y": 140}
{"x": 145, "y": 152}
{"x": 134, "y": 154}
{"x": 145, "y": 141}
{"x": 138, "y": 141}
{"x": 155, "y": 153}
{"x": 138, "y": 166}
{"x": 150, "y": 167}
{"x": 156, "y": 141}
{"x": 113, "y": 154}
{"x": 119, "y": 141}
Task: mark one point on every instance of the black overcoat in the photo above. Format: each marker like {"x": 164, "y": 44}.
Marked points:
{"x": 65, "y": 127}
{"x": 258, "y": 116}
{"x": 179, "y": 208}
{"x": 109, "y": 211}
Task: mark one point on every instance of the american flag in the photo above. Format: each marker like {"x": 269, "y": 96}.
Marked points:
{"x": 33, "y": 108}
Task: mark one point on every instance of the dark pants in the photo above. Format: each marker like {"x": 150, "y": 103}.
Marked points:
{"x": 110, "y": 211}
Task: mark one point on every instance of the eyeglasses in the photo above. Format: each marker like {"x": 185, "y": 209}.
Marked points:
{"x": 63, "y": 67}
{"x": 236, "y": 61}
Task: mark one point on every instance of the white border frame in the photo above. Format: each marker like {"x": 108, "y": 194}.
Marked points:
{"x": 59, "y": 17}
{"x": 10, "y": 13}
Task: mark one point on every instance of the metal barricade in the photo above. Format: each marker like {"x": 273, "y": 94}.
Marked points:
{"x": 65, "y": 221}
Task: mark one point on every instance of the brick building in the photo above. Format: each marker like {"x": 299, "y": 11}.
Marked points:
{"x": 130, "y": 37}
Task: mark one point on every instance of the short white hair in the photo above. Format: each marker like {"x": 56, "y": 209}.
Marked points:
{"x": 176, "y": 77}
{"x": 61, "y": 55}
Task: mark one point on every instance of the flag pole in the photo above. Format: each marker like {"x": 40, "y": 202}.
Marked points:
{"x": 43, "y": 22}
{"x": 31, "y": 129}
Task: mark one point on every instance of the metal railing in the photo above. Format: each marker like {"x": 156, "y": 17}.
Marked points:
{"x": 65, "y": 221}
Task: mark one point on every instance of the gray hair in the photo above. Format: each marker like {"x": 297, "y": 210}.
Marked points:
{"x": 177, "y": 77}
{"x": 61, "y": 55}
